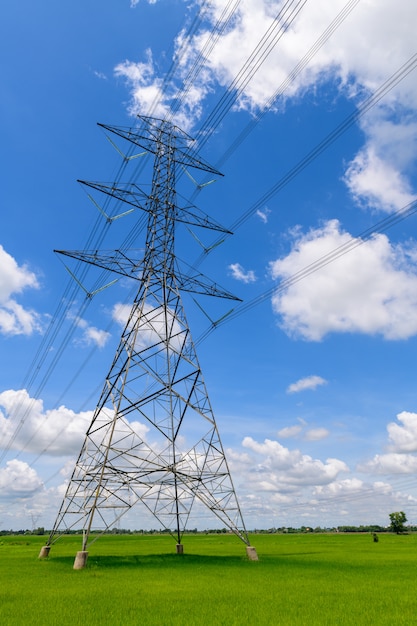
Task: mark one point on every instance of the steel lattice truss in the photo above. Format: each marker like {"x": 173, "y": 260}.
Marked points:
{"x": 155, "y": 379}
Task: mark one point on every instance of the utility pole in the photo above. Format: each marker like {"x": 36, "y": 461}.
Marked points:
{"x": 155, "y": 378}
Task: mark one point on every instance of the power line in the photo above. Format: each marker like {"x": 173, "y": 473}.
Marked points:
{"x": 279, "y": 26}
{"x": 343, "y": 127}
{"x": 217, "y": 31}
{"x": 341, "y": 250}
{"x": 262, "y": 202}
{"x": 389, "y": 84}
{"x": 295, "y": 72}
{"x": 380, "y": 227}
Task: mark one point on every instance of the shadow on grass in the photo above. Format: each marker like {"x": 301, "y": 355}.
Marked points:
{"x": 153, "y": 560}
{"x": 302, "y": 554}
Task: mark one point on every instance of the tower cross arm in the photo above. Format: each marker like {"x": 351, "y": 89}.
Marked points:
{"x": 194, "y": 216}
{"x": 119, "y": 263}
{"x": 128, "y": 192}
{"x": 195, "y": 282}
{"x": 150, "y": 139}
{"x": 114, "y": 261}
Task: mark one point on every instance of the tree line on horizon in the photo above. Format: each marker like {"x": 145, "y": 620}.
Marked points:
{"x": 398, "y": 520}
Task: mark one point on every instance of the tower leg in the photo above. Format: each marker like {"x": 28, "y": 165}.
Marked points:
{"x": 81, "y": 559}
{"x": 44, "y": 553}
{"x": 251, "y": 553}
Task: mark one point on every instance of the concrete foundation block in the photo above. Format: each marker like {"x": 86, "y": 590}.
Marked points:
{"x": 44, "y": 553}
{"x": 251, "y": 553}
{"x": 180, "y": 548}
{"x": 80, "y": 559}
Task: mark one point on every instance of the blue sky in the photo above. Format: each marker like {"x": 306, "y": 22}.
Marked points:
{"x": 313, "y": 383}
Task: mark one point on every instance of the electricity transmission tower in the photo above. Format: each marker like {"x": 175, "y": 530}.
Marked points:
{"x": 155, "y": 379}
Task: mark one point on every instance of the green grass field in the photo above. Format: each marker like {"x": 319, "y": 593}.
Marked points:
{"x": 299, "y": 579}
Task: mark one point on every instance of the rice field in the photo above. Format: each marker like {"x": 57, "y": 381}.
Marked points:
{"x": 311, "y": 579}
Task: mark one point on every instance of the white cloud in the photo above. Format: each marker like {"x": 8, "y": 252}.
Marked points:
{"x": 363, "y": 60}
{"x": 377, "y": 182}
{"x": 146, "y": 89}
{"x": 25, "y": 424}
{"x": 371, "y": 289}
{"x": 349, "y": 499}
{"x": 14, "y": 279}
{"x": 316, "y": 434}
{"x": 402, "y": 441}
{"x": 403, "y": 436}
{"x": 281, "y": 487}
{"x": 392, "y": 463}
{"x": 289, "y": 431}
{"x": 25, "y": 501}
{"x": 91, "y": 334}
{"x": 282, "y": 469}
{"x": 311, "y": 434}
{"x": 239, "y": 273}
{"x": 278, "y": 486}
{"x": 18, "y": 480}
{"x": 310, "y": 382}
{"x": 340, "y": 488}
{"x": 139, "y": 429}
{"x": 95, "y": 336}
{"x": 149, "y": 95}
{"x": 134, "y": 3}
{"x": 263, "y": 215}
{"x": 100, "y": 75}
{"x": 152, "y": 327}
{"x": 359, "y": 57}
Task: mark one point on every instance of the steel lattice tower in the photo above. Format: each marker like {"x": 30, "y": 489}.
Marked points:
{"x": 155, "y": 378}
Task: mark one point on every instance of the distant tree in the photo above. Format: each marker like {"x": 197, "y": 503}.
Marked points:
{"x": 398, "y": 519}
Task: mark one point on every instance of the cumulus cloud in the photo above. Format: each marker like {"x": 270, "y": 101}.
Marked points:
{"x": 24, "y": 423}
{"x": 281, "y": 469}
{"x": 152, "y": 327}
{"x": 362, "y": 53}
{"x": 339, "y": 488}
{"x": 402, "y": 442}
{"x": 18, "y": 480}
{"x": 349, "y": 497}
{"x": 151, "y": 96}
{"x": 146, "y": 88}
{"x": 371, "y": 289}
{"x": 377, "y": 177}
{"x": 14, "y": 279}
{"x": 375, "y": 182}
{"x": 392, "y": 463}
{"x": 240, "y": 274}
{"x": 96, "y": 336}
{"x": 310, "y": 382}
{"x": 403, "y": 435}
{"x": 91, "y": 334}
{"x": 278, "y": 486}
